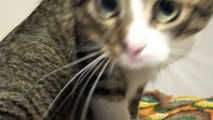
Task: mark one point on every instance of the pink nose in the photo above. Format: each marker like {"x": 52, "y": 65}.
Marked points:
{"x": 135, "y": 50}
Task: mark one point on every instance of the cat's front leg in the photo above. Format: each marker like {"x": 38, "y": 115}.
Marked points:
{"x": 134, "y": 104}
{"x": 105, "y": 109}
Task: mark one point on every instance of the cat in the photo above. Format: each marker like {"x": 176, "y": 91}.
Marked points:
{"x": 90, "y": 59}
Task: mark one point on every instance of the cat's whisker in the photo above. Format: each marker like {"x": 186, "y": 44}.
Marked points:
{"x": 70, "y": 81}
{"x": 78, "y": 82}
{"x": 89, "y": 97}
{"x": 191, "y": 65}
{"x": 86, "y": 49}
{"x": 112, "y": 68}
{"x": 89, "y": 47}
{"x": 170, "y": 60}
{"x": 83, "y": 89}
{"x": 179, "y": 74}
{"x": 89, "y": 44}
{"x": 63, "y": 67}
{"x": 179, "y": 51}
{"x": 162, "y": 74}
{"x": 197, "y": 75}
{"x": 203, "y": 60}
{"x": 193, "y": 81}
{"x": 198, "y": 58}
{"x": 192, "y": 55}
{"x": 111, "y": 74}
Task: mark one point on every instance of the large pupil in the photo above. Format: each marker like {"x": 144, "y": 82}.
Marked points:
{"x": 109, "y": 5}
{"x": 167, "y": 7}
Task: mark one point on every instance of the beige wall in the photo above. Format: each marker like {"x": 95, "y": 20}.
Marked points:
{"x": 191, "y": 76}
{"x": 12, "y": 12}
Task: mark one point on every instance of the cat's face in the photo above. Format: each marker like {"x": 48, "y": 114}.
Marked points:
{"x": 141, "y": 33}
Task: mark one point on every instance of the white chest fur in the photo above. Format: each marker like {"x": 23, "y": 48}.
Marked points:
{"x": 118, "y": 110}
{"x": 135, "y": 79}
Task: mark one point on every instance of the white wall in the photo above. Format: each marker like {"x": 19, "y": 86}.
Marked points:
{"x": 12, "y": 12}
{"x": 192, "y": 76}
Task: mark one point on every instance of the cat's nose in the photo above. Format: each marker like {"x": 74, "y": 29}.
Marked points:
{"x": 133, "y": 50}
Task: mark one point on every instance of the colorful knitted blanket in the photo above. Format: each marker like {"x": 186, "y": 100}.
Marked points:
{"x": 158, "y": 106}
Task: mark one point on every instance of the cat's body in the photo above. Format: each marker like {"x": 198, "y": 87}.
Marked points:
{"x": 31, "y": 51}
{"x": 54, "y": 35}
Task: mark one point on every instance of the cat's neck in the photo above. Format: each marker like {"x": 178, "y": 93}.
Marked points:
{"x": 137, "y": 79}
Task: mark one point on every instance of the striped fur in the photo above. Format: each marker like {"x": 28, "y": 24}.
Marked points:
{"x": 51, "y": 37}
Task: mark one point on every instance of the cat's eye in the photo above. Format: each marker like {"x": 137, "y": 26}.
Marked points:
{"x": 166, "y": 11}
{"x": 107, "y": 8}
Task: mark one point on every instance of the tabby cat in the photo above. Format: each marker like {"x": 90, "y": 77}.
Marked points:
{"x": 90, "y": 59}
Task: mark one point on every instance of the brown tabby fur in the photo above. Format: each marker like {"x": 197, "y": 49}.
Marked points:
{"x": 51, "y": 37}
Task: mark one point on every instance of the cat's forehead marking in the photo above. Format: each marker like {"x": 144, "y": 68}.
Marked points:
{"x": 138, "y": 22}
{"x": 136, "y": 7}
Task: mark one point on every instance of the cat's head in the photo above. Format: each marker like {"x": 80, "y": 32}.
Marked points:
{"x": 140, "y": 33}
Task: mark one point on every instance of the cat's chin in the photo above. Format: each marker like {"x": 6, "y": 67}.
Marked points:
{"x": 137, "y": 66}
{"x": 141, "y": 62}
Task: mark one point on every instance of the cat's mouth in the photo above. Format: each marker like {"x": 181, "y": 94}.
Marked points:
{"x": 138, "y": 62}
